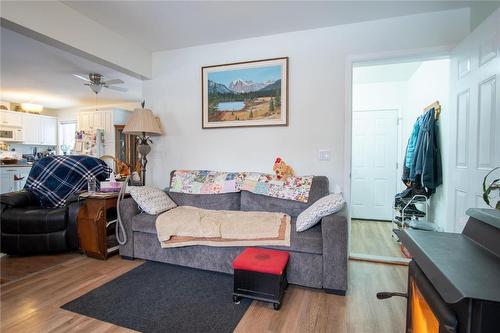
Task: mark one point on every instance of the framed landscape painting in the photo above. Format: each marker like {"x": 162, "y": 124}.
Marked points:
{"x": 252, "y": 93}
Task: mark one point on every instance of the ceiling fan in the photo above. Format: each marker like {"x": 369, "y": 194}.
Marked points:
{"x": 96, "y": 82}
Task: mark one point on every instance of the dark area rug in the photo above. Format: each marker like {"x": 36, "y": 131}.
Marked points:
{"x": 157, "y": 297}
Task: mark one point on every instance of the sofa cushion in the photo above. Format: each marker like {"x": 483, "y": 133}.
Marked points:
{"x": 33, "y": 220}
{"x": 309, "y": 241}
{"x": 257, "y": 202}
{"x": 225, "y": 201}
{"x": 144, "y": 223}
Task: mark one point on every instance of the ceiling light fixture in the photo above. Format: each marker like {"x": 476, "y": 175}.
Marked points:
{"x": 30, "y": 107}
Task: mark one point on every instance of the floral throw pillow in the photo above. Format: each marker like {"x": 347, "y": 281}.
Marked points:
{"x": 151, "y": 200}
{"x": 327, "y": 205}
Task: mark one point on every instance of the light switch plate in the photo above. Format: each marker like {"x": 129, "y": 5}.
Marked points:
{"x": 324, "y": 155}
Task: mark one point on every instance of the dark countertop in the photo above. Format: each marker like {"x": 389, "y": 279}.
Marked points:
{"x": 457, "y": 266}
{"x": 487, "y": 215}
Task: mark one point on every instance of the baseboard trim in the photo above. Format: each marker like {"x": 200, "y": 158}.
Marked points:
{"x": 379, "y": 259}
{"x": 127, "y": 257}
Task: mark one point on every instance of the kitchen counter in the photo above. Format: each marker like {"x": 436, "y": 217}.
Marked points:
{"x": 15, "y": 165}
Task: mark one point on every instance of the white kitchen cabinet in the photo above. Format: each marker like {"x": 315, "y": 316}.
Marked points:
{"x": 83, "y": 121}
{"x": 11, "y": 118}
{"x": 13, "y": 178}
{"x": 39, "y": 130}
{"x": 31, "y": 128}
{"x": 6, "y": 182}
{"x": 49, "y": 132}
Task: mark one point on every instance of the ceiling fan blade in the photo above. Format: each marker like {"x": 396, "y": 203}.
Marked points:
{"x": 116, "y": 88}
{"x": 81, "y": 77}
{"x": 114, "y": 81}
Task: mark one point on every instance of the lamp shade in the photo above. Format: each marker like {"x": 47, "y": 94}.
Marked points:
{"x": 142, "y": 121}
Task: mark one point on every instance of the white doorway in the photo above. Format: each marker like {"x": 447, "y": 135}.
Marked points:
{"x": 387, "y": 99}
{"x": 374, "y": 163}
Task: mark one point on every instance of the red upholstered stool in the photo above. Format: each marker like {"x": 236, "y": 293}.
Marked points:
{"x": 260, "y": 274}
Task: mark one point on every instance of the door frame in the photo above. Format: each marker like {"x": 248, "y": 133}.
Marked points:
{"x": 378, "y": 58}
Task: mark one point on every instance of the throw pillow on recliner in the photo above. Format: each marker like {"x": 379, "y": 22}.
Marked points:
{"x": 327, "y": 205}
{"x": 151, "y": 200}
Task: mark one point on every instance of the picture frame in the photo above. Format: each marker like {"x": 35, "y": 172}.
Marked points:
{"x": 245, "y": 94}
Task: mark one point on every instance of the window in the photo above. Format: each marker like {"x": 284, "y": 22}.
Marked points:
{"x": 67, "y": 130}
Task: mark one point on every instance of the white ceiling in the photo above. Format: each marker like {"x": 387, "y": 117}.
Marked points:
{"x": 34, "y": 71}
{"x": 396, "y": 72}
{"x": 163, "y": 25}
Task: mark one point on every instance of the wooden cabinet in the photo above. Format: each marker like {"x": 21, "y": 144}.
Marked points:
{"x": 39, "y": 130}
{"x": 96, "y": 225}
{"x": 10, "y": 118}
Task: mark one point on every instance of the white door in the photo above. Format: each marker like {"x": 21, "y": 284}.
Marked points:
{"x": 475, "y": 106}
{"x": 374, "y": 164}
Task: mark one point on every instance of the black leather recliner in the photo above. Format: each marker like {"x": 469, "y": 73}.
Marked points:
{"x": 27, "y": 228}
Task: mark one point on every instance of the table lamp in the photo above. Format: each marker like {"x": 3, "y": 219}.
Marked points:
{"x": 144, "y": 124}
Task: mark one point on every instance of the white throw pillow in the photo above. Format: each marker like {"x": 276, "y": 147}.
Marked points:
{"x": 330, "y": 204}
{"x": 151, "y": 200}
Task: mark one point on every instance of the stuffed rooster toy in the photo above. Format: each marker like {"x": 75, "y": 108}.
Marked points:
{"x": 282, "y": 169}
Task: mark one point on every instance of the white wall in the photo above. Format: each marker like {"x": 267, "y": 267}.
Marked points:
{"x": 379, "y": 96}
{"x": 428, "y": 84}
{"x": 317, "y": 95}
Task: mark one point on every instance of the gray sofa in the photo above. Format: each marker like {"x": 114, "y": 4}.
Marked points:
{"x": 318, "y": 256}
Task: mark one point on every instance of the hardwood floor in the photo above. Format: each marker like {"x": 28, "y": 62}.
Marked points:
{"x": 309, "y": 310}
{"x": 14, "y": 268}
{"x": 373, "y": 238}
{"x": 32, "y": 304}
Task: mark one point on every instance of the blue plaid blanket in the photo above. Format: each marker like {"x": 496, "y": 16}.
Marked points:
{"x": 55, "y": 179}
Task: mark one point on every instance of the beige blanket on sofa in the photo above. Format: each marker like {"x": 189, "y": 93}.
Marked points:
{"x": 185, "y": 226}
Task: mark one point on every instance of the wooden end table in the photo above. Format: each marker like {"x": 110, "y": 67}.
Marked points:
{"x": 96, "y": 224}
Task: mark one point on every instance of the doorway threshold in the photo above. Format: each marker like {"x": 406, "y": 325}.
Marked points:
{"x": 379, "y": 259}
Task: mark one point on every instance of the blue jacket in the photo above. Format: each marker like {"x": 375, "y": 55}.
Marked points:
{"x": 427, "y": 155}
{"x": 412, "y": 142}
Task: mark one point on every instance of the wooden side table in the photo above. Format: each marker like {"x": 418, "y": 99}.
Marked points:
{"x": 96, "y": 225}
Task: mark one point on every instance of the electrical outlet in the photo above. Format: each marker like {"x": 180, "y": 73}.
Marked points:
{"x": 324, "y": 155}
